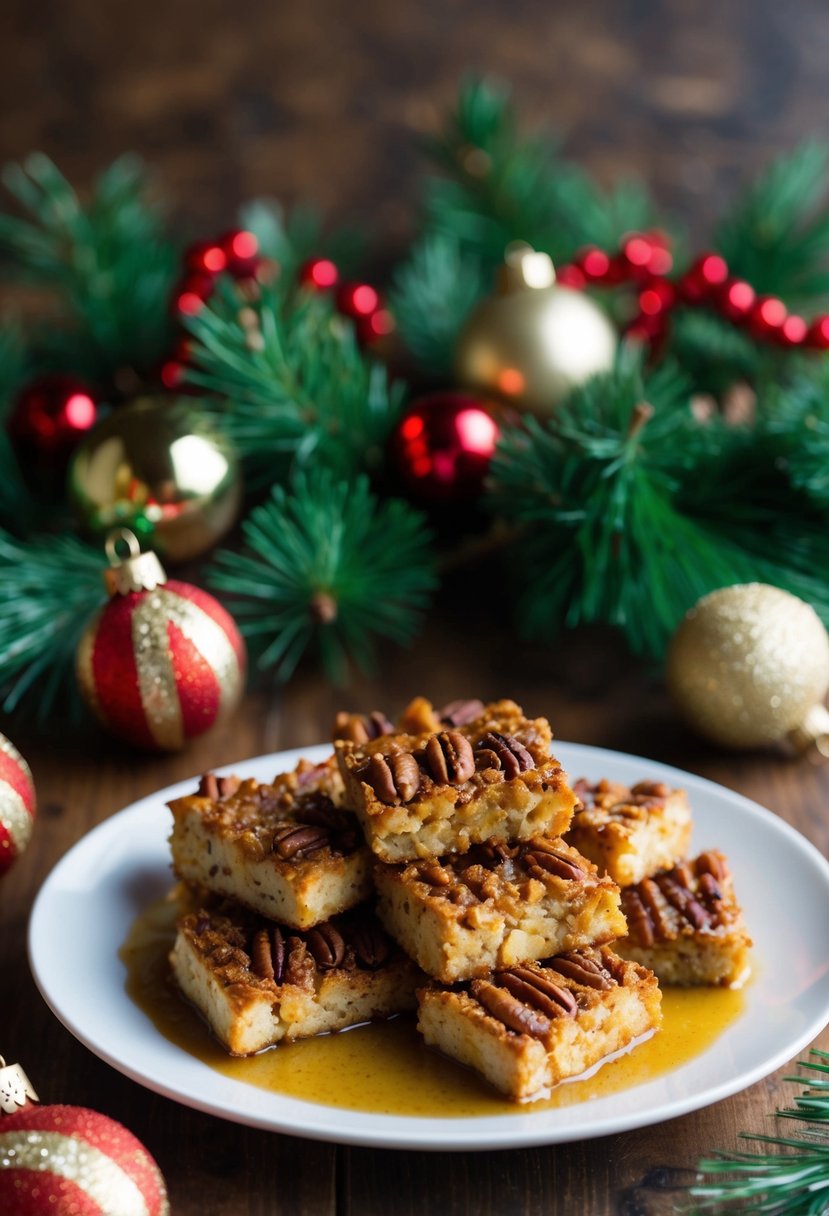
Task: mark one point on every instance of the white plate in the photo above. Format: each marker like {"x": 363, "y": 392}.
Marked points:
{"x": 87, "y": 904}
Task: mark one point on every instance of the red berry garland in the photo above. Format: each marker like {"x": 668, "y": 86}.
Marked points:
{"x": 644, "y": 261}
{"x": 360, "y": 302}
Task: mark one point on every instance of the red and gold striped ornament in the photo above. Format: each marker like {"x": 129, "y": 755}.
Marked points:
{"x": 17, "y": 804}
{"x": 162, "y": 662}
{"x": 69, "y": 1161}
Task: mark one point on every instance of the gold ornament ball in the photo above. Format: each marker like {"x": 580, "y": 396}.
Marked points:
{"x": 159, "y": 468}
{"x": 531, "y": 342}
{"x": 749, "y": 666}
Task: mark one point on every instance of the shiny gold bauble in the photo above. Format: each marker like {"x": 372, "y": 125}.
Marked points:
{"x": 159, "y": 468}
{"x": 532, "y": 341}
{"x": 749, "y": 666}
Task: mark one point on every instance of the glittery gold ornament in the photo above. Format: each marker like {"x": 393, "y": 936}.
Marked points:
{"x": 163, "y": 661}
{"x": 159, "y": 468}
{"x": 532, "y": 341}
{"x": 749, "y": 666}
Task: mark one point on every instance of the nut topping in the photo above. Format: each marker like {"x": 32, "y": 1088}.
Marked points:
{"x": 683, "y": 900}
{"x": 509, "y": 1010}
{"x": 541, "y": 859}
{"x": 509, "y": 754}
{"x": 461, "y": 713}
{"x": 268, "y": 954}
{"x": 327, "y": 946}
{"x": 448, "y": 757}
{"x": 712, "y": 863}
{"x": 293, "y": 842}
{"x": 370, "y": 944}
{"x": 582, "y": 969}
{"x": 394, "y": 778}
{"x": 433, "y": 873}
{"x": 549, "y": 998}
{"x": 640, "y": 926}
{"x": 214, "y": 787}
{"x": 651, "y": 789}
{"x": 361, "y": 728}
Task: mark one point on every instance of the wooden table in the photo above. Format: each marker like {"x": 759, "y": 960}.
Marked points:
{"x": 592, "y": 693}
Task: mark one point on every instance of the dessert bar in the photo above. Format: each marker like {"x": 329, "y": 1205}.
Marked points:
{"x": 257, "y": 983}
{"x": 686, "y": 925}
{"x": 425, "y": 795}
{"x": 529, "y": 1027}
{"x": 630, "y": 833}
{"x": 496, "y": 905}
{"x": 286, "y": 850}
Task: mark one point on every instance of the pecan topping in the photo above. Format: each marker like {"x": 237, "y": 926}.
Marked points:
{"x": 650, "y": 895}
{"x": 361, "y": 728}
{"x": 489, "y": 855}
{"x": 434, "y": 874}
{"x": 583, "y": 969}
{"x": 370, "y": 944}
{"x": 651, "y": 789}
{"x": 539, "y": 992}
{"x": 295, "y": 841}
{"x": 394, "y": 778}
{"x": 640, "y": 925}
{"x": 268, "y": 954}
{"x": 682, "y": 899}
{"x": 320, "y": 811}
{"x": 710, "y": 890}
{"x": 327, "y": 946}
{"x": 509, "y": 1010}
{"x": 461, "y": 713}
{"x": 509, "y": 754}
{"x": 448, "y": 757}
{"x": 541, "y": 859}
{"x": 215, "y": 787}
{"x": 712, "y": 863}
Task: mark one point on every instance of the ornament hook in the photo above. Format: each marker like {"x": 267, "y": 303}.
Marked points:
{"x": 136, "y": 572}
{"x": 15, "y": 1088}
{"x": 112, "y": 541}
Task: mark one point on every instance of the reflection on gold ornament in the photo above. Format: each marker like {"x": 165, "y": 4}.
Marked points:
{"x": 532, "y": 341}
{"x": 159, "y": 468}
{"x": 749, "y": 666}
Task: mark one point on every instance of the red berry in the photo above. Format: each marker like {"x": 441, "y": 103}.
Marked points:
{"x": 205, "y": 257}
{"x": 735, "y": 299}
{"x": 818, "y": 336}
{"x": 241, "y": 249}
{"x": 357, "y": 300}
{"x": 320, "y": 274}
{"x": 767, "y": 316}
{"x": 570, "y": 276}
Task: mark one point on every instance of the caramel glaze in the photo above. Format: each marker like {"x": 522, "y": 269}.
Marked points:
{"x": 384, "y": 1068}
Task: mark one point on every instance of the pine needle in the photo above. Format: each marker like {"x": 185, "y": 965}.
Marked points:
{"x": 327, "y": 568}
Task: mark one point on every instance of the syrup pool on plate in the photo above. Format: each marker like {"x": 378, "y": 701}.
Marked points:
{"x": 384, "y": 1068}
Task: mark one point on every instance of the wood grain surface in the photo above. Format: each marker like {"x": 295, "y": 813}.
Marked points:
{"x": 323, "y": 100}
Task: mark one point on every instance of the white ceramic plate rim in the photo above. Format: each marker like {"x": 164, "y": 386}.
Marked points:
{"x": 87, "y": 904}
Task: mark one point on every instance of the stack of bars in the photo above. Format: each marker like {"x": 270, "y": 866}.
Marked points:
{"x": 445, "y": 864}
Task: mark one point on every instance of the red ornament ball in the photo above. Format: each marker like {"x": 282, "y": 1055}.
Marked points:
{"x": 17, "y": 804}
{"x": 443, "y": 446}
{"x": 50, "y": 416}
{"x": 69, "y": 1161}
{"x": 160, "y": 666}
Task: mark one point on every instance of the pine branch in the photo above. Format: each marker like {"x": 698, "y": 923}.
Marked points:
{"x": 327, "y": 568}
{"x": 291, "y": 238}
{"x": 794, "y": 1182}
{"x": 799, "y": 417}
{"x": 292, "y": 384}
{"x": 49, "y": 590}
{"x": 614, "y": 529}
{"x": 433, "y": 293}
{"x": 503, "y": 186}
{"x": 108, "y": 263}
{"x": 777, "y": 235}
{"x": 16, "y": 506}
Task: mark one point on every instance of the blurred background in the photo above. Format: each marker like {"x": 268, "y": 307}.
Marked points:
{"x": 324, "y": 101}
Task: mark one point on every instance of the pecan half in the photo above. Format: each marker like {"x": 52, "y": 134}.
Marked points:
{"x": 683, "y": 900}
{"x": 448, "y": 757}
{"x": 433, "y": 873}
{"x": 583, "y": 969}
{"x": 712, "y": 863}
{"x": 461, "y": 713}
{"x": 652, "y": 897}
{"x": 319, "y": 810}
{"x": 327, "y": 946}
{"x": 509, "y": 1010}
{"x": 215, "y": 787}
{"x": 549, "y": 998}
{"x": 370, "y": 944}
{"x": 394, "y": 778}
{"x": 268, "y": 954}
{"x": 511, "y": 755}
{"x": 294, "y": 841}
{"x": 651, "y": 789}
{"x": 640, "y": 926}
{"x": 491, "y": 854}
{"x": 361, "y": 728}
{"x": 541, "y": 858}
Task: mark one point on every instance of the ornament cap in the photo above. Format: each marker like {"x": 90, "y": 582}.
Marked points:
{"x": 813, "y": 731}
{"x": 16, "y": 1090}
{"x": 523, "y": 268}
{"x": 137, "y": 572}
